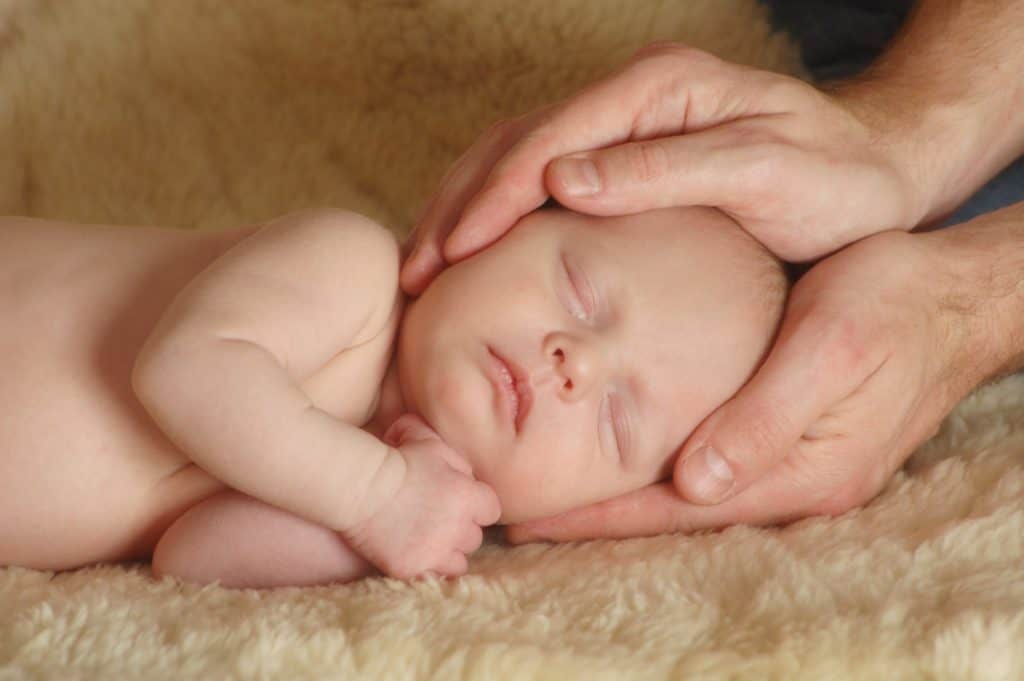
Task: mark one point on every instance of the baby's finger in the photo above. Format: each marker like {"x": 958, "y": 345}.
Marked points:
{"x": 408, "y": 428}
{"x": 454, "y": 565}
{"x": 488, "y": 508}
{"x": 470, "y": 540}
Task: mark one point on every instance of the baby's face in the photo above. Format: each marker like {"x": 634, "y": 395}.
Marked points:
{"x": 570, "y": 360}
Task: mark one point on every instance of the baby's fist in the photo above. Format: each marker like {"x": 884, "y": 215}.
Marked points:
{"x": 435, "y": 518}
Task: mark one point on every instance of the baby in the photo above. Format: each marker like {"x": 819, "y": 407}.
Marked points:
{"x": 261, "y": 406}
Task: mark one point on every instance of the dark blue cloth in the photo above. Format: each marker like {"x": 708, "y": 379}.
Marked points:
{"x": 838, "y": 38}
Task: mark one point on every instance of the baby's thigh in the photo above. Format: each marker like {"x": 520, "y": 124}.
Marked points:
{"x": 243, "y": 542}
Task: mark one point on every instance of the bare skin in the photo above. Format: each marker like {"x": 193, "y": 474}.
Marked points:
{"x": 807, "y": 172}
{"x": 88, "y": 477}
{"x": 237, "y": 405}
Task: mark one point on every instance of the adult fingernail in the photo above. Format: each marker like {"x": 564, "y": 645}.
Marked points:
{"x": 579, "y": 175}
{"x": 708, "y": 475}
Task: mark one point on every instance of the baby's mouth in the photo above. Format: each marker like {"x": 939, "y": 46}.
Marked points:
{"x": 514, "y": 383}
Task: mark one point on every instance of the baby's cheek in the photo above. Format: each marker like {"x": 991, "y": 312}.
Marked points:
{"x": 527, "y": 492}
{"x": 448, "y": 407}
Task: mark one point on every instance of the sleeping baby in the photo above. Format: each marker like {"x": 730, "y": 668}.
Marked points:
{"x": 261, "y": 406}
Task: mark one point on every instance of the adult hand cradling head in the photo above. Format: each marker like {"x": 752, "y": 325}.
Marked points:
{"x": 880, "y": 339}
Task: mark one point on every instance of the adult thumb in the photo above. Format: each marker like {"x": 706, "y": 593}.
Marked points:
{"x": 685, "y": 170}
{"x": 748, "y": 435}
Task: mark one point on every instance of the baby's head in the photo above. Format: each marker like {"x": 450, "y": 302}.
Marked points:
{"x": 571, "y": 359}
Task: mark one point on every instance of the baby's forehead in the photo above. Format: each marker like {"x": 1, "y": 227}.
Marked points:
{"x": 661, "y": 259}
{"x": 658, "y": 236}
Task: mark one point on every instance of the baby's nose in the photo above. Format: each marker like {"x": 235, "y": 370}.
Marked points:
{"x": 575, "y": 362}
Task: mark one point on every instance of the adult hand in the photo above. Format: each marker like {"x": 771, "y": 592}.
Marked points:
{"x": 877, "y": 345}
{"x": 794, "y": 166}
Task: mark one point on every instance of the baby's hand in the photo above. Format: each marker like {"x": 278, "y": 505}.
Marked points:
{"x": 435, "y": 518}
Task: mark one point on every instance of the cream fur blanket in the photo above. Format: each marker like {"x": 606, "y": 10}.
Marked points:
{"x": 205, "y": 113}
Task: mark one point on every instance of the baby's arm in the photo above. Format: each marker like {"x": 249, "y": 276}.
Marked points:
{"x": 240, "y": 541}
{"x": 221, "y": 373}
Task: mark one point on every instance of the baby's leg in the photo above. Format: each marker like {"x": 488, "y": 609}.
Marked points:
{"x": 243, "y": 542}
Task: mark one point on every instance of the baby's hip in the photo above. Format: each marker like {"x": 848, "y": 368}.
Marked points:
{"x": 66, "y": 503}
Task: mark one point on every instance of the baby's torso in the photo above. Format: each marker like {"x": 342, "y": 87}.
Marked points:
{"x": 82, "y": 468}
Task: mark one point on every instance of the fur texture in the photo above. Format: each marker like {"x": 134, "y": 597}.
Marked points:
{"x": 204, "y": 114}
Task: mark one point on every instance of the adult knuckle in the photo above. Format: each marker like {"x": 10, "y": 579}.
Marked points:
{"x": 647, "y": 162}
{"x": 764, "y": 432}
{"x": 665, "y": 62}
{"x": 785, "y": 91}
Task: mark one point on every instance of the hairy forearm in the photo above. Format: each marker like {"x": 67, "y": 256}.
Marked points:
{"x": 947, "y": 96}
{"x": 984, "y": 259}
{"x": 236, "y": 413}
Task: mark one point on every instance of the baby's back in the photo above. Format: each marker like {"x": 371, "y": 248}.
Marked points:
{"x": 84, "y": 474}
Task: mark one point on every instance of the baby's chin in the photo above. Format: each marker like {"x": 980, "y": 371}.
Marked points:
{"x": 523, "y": 501}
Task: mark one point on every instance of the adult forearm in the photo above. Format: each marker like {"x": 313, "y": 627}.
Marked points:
{"x": 947, "y": 96}
{"x": 984, "y": 259}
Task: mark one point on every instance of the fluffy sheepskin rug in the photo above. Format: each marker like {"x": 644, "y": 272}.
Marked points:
{"x": 203, "y": 114}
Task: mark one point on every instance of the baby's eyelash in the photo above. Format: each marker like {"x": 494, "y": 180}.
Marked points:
{"x": 620, "y": 424}
{"x": 613, "y": 417}
{"x": 582, "y": 292}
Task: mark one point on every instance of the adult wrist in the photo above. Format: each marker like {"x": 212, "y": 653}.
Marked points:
{"x": 915, "y": 140}
{"x": 943, "y": 102}
{"x": 946, "y": 150}
{"x": 983, "y": 261}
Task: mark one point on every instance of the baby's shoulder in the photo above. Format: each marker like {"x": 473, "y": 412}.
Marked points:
{"x": 364, "y": 259}
{"x": 364, "y": 248}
